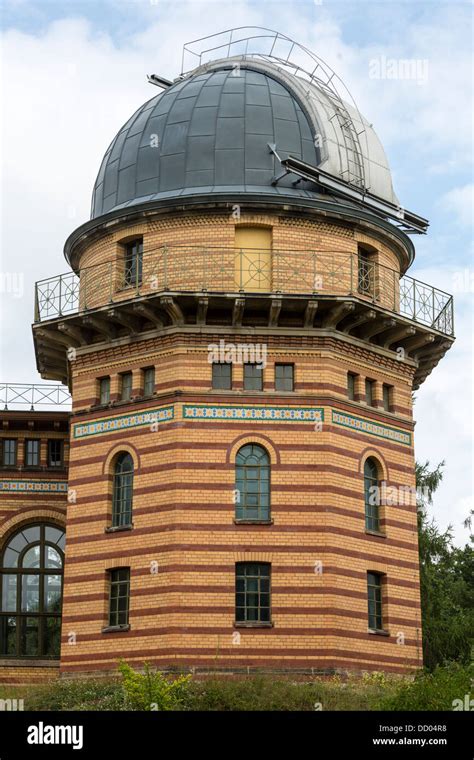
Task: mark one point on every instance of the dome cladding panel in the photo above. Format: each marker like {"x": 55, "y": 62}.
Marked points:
{"x": 209, "y": 132}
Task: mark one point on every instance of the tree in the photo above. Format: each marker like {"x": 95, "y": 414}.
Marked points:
{"x": 446, "y": 581}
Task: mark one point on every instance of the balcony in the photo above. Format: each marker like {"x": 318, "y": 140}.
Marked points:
{"x": 205, "y": 271}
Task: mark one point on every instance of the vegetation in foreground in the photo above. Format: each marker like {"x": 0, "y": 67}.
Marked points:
{"x": 151, "y": 690}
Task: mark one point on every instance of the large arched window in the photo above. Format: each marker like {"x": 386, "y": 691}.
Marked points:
{"x": 31, "y": 592}
{"x": 372, "y": 494}
{"x": 122, "y": 491}
{"x": 252, "y": 483}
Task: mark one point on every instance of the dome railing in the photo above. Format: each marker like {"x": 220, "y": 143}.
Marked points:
{"x": 188, "y": 269}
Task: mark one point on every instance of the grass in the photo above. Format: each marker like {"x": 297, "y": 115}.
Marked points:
{"x": 429, "y": 691}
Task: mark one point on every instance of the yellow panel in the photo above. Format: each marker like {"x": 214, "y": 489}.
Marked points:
{"x": 253, "y": 259}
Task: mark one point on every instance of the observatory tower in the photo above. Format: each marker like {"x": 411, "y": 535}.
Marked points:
{"x": 241, "y": 340}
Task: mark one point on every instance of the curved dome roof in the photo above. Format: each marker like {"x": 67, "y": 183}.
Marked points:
{"x": 209, "y": 134}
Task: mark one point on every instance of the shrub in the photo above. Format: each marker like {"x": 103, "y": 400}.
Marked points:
{"x": 435, "y": 690}
{"x": 150, "y": 690}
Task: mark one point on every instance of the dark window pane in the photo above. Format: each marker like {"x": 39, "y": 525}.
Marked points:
{"x": 9, "y": 452}
{"x": 284, "y": 377}
{"x": 133, "y": 263}
{"x": 8, "y": 636}
{"x": 149, "y": 381}
{"x": 9, "y": 589}
{"x": 253, "y": 377}
{"x": 104, "y": 390}
{"x": 32, "y": 450}
{"x": 29, "y": 636}
{"x": 222, "y": 376}
{"x": 51, "y": 636}
{"x": 55, "y": 453}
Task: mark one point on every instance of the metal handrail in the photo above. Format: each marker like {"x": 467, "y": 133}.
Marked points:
{"x": 32, "y": 394}
{"x": 217, "y": 269}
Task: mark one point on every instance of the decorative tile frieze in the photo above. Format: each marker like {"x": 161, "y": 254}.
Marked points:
{"x": 122, "y": 422}
{"x": 34, "y": 486}
{"x": 371, "y": 428}
{"x": 252, "y": 413}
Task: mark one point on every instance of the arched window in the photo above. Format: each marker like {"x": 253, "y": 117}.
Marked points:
{"x": 372, "y": 494}
{"x": 252, "y": 483}
{"x": 122, "y": 491}
{"x": 31, "y": 592}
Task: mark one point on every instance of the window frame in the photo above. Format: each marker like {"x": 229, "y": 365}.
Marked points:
{"x": 122, "y": 481}
{"x": 128, "y": 376}
{"x": 242, "y": 618}
{"x": 372, "y": 515}
{"x": 42, "y": 614}
{"x": 375, "y": 596}
{"x": 370, "y": 391}
{"x": 387, "y": 397}
{"x": 133, "y": 262}
{"x": 14, "y": 441}
{"x": 351, "y": 385}
{"x": 215, "y": 376}
{"x": 26, "y": 452}
{"x": 113, "y": 622}
{"x": 60, "y": 442}
{"x": 284, "y": 365}
{"x": 242, "y": 479}
{"x": 104, "y": 398}
{"x": 146, "y": 371}
{"x": 247, "y": 379}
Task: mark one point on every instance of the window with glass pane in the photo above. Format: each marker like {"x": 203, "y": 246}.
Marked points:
{"x": 104, "y": 390}
{"x": 149, "y": 381}
{"x": 252, "y": 483}
{"x": 119, "y": 596}
{"x": 31, "y": 592}
{"x": 122, "y": 491}
{"x": 371, "y": 495}
{"x": 369, "y": 392}
{"x": 222, "y": 376}
{"x": 252, "y": 592}
{"x": 126, "y": 386}
{"x": 387, "y": 396}
{"x": 374, "y": 598}
{"x": 351, "y": 378}
{"x": 32, "y": 451}
{"x": 253, "y": 377}
{"x": 55, "y": 453}
{"x": 133, "y": 263}
{"x": 284, "y": 377}
{"x": 9, "y": 452}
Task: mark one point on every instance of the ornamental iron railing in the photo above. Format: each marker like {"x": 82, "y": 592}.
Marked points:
{"x": 229, "y": 270}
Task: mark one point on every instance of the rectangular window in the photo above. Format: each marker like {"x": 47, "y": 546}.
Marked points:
{"x": 351, "y": 386}
{"x": 253, "y": 377}
{"x": 126, "y": 386}
{"x": 104, "y": 390}
{"x": 9, "y": 450}
{"x": 32, "y": 452}
{"x": 149, "y": 381}
{"x": 55, "y": 453}
{"x": 119, "y": 596}
{"x": 374, "y": 598}
{"x": 284, "y": 377}
{"x": 222, "y": 376}
{"x": 369, "y": 392}
{"x": 387, "y": 397}
{"x": 133, "y": 263}
{"x": 252, "y": 592}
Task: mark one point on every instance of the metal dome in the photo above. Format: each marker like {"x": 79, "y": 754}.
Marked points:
{"x": 226, "y": 128}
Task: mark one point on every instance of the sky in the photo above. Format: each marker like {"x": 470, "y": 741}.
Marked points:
{"x": 73, "y": 72}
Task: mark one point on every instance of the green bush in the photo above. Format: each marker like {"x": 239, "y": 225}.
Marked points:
{"x": 435, "y": 690}
{"x": 88, "y": 694}
{"x": 150, "y": 690}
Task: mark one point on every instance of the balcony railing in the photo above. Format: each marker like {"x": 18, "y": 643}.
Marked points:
{"x": 27, "y": 394}
{"x": 187, "y": 269}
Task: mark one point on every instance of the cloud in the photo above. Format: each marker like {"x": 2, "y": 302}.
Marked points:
{"x": 460, "y": 203}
